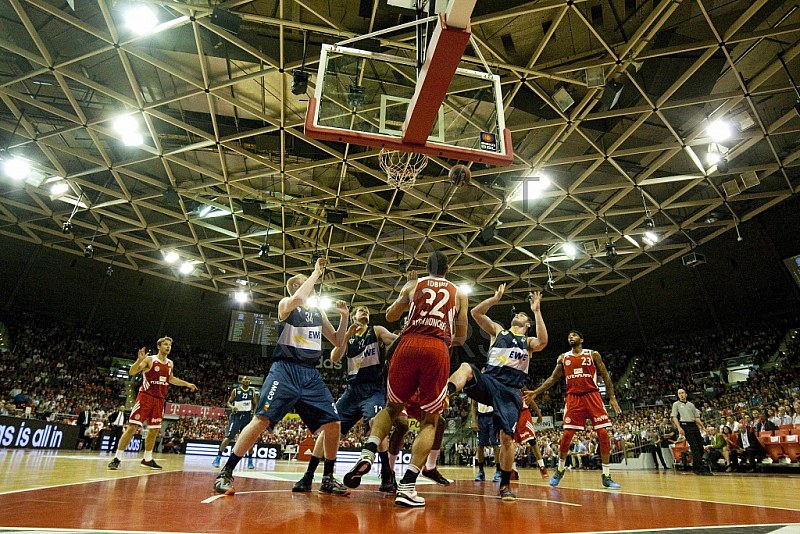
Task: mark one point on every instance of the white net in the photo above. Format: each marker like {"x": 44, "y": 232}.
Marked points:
{"x": 401, "y": 168}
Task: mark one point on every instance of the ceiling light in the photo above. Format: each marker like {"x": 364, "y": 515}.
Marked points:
{"x": 17, "y": 168}
{"x": 59, "y": 188}
{"x": 611, "y": 252}
{"x": 325, "y": 303}
{"x": 241, "y": 296}
{"x": 171, "y": 257}
{"x": 187, "y": 268}
{"x": 205, "y": 210}
{"x": 713, "y": 158}
{"x": 140, "y": 20}
{"x": 569, "y": 249}
{"x": 126, "y": 125}
{"x": 465, "y": 288}
{"x": 719, "y": 130}
{"x": 531, "y": 187}
{"x": 651, "y": 238}
{"x": 241, "y": 282}
{"x": 312, "y": 301}
{"x": 133, "y": 139}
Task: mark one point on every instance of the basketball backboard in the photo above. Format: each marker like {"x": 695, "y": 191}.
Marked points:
{"x": 383, "y": 99}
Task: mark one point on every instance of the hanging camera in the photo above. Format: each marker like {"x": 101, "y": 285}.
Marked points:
{"x": 88, "y": 252}
{"x": 66, "y": 227}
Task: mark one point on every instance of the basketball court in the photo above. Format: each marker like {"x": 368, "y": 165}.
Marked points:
{"x": 73, "y": 491}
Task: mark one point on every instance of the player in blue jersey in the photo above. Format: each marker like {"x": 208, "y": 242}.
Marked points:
{"x": 365, "y": 395}
{"x": 506, "y": 372}
{"x": 242, "y": 404}
{"x": 294, "y": 380}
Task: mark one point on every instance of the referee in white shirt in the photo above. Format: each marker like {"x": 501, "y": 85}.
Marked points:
{"x": 686, "y": 419}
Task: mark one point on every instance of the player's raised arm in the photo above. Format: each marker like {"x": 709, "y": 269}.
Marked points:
{"x": 143, "y": 363}
{"x": 535, "y": 344}
{"x": 601, "y": 368}
{"x": 299, "y": 296}
{"x": 175, "y": 381}
{"x": 339, "y": 350}
{"x": 479, "y": 313}
{"x": 339, "y": 336}
{"x": 403, "y": 302}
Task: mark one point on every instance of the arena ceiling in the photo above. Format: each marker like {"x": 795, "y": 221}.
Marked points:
{"x": 223, "y": 133}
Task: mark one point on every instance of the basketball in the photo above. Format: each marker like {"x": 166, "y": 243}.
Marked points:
{"x": 460, "y": 175}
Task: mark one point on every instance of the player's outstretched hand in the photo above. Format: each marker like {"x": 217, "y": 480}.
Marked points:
{"x": 191, "y": 387}
{"x": 341, "y": 308}
{"x": 536, "y": 301}
{"x": 411, "y": 277}
{"x": 530, "y": 397}
{"x": 142, "y": 354}
{"x": 319, "y": 268}
{"x": 499, "y": 293}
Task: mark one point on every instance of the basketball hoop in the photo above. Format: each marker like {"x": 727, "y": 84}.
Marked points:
{"x": 401, "y": 168}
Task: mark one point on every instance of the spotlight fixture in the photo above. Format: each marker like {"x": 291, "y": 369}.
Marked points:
{"x": 17, "y": 168}
{"x": 569, "y": 249}
{"x": 650, "y": 238}
{"x": 59, "y": 188}
{"x": 241, "y": 296}
{"x": 171, "y": 257}
{"x": 109, "y": 270}
{"x": 88, "y": 252}
{"x": 719, "y": 130}
{"x": 325, "y": 303}
{"x": 141, "y": 20}
{"x": 355, "y": 96}
{"x": 299, "y": 82}
{"x": 66, "y": 227}
{"x": 465, "y": 288}
{"x": 563, "y": 99}
{"x": 722, "y": 165}
{"x": 263, "y": 250}
{"x": 187, "y": 268}
{"x": 226, "y": 20}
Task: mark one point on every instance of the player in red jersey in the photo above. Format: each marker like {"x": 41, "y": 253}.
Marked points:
{"x": 580, "y": 367}
{"x": 437, "y": 320}
{"x": 149, "y": 407}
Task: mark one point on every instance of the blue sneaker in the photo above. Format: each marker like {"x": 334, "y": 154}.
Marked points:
{"x": 216, "y": 461}
{"x": 497, "y": 476}
{"x": 607, "y": 483}
{"x": 558, "y": 476}
{"x": 481, "y": 477}
{"x": 506, "y": 494}
{"x": 250, "y": 464}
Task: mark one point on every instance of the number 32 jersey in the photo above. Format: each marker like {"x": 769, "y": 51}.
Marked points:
{"x": 580, "y": 372}
{"x": 433, "y": 309}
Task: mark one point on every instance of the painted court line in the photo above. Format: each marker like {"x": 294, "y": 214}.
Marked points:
{"x": 794, "y": 529}
{"x": 215, "y": 497}
{"x": 91, "y": 481}
{"x": 497, "y": 497}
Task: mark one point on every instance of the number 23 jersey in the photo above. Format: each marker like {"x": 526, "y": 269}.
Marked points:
{"x": 580, "y": 372}
{"x": 433, "y": 309}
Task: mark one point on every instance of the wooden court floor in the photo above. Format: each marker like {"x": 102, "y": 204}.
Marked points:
{"x": 66, "y": 491}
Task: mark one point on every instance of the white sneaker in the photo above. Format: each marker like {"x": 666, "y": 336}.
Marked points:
{"x": 407, "y": 496}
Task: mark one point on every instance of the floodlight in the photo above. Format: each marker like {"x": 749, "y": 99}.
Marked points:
{"x": 17, "y": 168}
{"x": 126, "y": 125}
{"x": 241, "y": 296}
{"x": 650, "y": 238}
{"x": 171, "y": 257}
{"x": 187, "y": 268}
{"x": 133, "y": 139}
{"x": 465, "y": 288}
{"x": 719, "y": 130}
{"x": 325, "y": 303}
{"x": 141, "y": 19}
{"x": 569, "y": 249}
{"x": 59, "y": 188}
{"x": 312, "y": 301}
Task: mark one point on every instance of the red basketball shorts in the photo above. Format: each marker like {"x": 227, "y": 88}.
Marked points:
{"x": 525, "y": 430}
{"x": 148, "y": 409}
{"x": 586, "y": 406}
{"x": 420, "y": 363}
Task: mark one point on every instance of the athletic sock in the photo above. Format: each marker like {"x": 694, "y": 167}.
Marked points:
{"x": 562, "y": 464}
{"x": 385, "y": 467}
{"x": 327, "y": 467}
{"x": 372, "y": 443}
{"x": 233, "y": 461}
{"x": 480, "y": 466}
{"x": 541, "y": 462}
{"x": 312, "y": 465}
{"x": 606, "y": 470}
{"x": 411, "y": 475}
{"x": 505, "y": 478}
{"x": 430, "y": 464}
{"x": 148, "y": 456}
